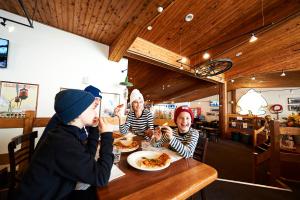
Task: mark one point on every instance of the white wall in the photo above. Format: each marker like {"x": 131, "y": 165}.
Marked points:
{"x": 54, "y": 58}
{"x": 271, "y": 95}
{"x": 274, "y": 96}
{"x": 205, "y": 107}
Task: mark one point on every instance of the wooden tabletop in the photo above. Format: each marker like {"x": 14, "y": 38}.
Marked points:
{"x": 179, "y": 181}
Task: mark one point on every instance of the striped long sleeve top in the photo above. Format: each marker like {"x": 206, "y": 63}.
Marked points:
{"x": 138, "y": 125}
{"x": 184, "y": 144}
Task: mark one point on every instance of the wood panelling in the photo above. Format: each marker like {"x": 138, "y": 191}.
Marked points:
{"x": 120, "y": 45}
{"x": 275, "y": 50}
{"x": 213, "y": 23}
{"x": 267, "y": 80}
{"x": 158, "y": 84}
{"x": 99, "y": 20}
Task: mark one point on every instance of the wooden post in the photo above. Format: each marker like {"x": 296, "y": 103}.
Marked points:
{"x": 28, "y": 122}
{"x": 275, "y": 153}
{"x": 223, "y": 120}
{"x": 233, "y": 99}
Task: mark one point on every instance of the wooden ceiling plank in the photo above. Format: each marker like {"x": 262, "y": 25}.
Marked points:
{"x": 99, "y": 22}
{"x": 120, "y": 45}
{"x": 88, "y": 16}
{"x": 107, "y": 20}
{"x": 270, "y": 52}
{"x": 69, "y": 15}
{"x": 58, "y": 11}
{"x": 93, "y": 22}
{"x": 76, "y": 17}
{"x": 84, "y": 10}
{"x": 53, "y": 13}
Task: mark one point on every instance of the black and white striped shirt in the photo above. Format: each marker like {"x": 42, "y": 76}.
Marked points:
{"x": 184, "y": 144}
{"x": 138, "y": 125}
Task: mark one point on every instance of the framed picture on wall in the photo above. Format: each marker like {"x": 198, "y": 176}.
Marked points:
{"x": 108, "y": 103}
{"x": 294, "y": 100}
{"x": 294, "y": 107}
{"x": 18, "y": 97}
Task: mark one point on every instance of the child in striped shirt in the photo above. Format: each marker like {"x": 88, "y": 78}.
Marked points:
{"x": 139, "y": 120}
{"x": 183, "y": 139}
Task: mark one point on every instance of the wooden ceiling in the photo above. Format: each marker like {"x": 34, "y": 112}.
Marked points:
{"x": 158, "y": 84}
{"x": 220, "y": 27}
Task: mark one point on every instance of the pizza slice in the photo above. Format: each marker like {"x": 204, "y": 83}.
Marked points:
{"x": 152, "y": 163}
{"x": 126, "y": 144}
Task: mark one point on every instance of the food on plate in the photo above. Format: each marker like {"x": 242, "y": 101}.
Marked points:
{"x": 126, "y": 144}
{"x": 163, "y": 160}
{"x": 165, "y": 124}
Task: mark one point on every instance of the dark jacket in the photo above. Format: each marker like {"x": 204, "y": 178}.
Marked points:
{"x": 63, "y": 160}
{"x": 53, "y": 122}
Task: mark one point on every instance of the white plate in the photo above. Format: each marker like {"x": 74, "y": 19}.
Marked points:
{"x": 133, "y": 160}
{"x": 129, "y": 149}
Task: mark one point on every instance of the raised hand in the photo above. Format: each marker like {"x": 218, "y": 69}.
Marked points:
{"x": 104, "y": 126}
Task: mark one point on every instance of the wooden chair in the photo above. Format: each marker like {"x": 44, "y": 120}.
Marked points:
{"x": 278, "y": 156}
{"x": 200, "y": 155}
{"x": 20, "y": 151}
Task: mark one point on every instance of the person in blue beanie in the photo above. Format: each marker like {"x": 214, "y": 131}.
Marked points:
{"x": 54, "y": 121}
{"x": 63, "y": 159}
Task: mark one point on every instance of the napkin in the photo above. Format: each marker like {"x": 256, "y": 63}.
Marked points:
{"x": 115, "y": 173}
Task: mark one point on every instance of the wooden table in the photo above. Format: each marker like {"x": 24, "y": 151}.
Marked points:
{"x": 179, "y": 181}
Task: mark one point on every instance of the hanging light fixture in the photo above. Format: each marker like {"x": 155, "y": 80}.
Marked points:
{"x": 126, "y": 82}
{"x": 282, "y": 74}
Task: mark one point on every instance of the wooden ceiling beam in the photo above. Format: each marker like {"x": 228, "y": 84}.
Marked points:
{"x": 146, "y": 51}
{"x": 120, "y": 45}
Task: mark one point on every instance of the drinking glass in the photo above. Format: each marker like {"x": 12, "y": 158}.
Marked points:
{"x": 117, "y": 155}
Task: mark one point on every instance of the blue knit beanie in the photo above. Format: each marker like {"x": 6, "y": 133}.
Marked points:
{"x": 70, "y": 103}
{"x": 94, "y": 91}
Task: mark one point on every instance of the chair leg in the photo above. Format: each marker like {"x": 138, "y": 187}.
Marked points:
{"x": 203, "y": 197}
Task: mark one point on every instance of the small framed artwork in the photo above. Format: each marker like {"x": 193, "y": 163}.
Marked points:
{"x": 18, "y": 97}
{"x": 108, "y": 103}
{"x": 294, "y": 100}
{"x": 294, "y": 107}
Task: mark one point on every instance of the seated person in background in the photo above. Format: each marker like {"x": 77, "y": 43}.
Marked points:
{"x": 139, "y": 119}
{"x": 54, "y": 121}
{"x": 183, "y": 139}
{"x": 63, "y": 159}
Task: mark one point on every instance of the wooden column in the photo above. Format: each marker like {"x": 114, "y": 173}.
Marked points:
{"x": 233, "y": 99}
{"x": 223, "y": 120}
{"x": 275, "y": 153}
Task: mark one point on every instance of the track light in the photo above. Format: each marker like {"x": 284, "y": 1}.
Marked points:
{"x": 206, "y": 56}
{"x": 253, "y": 78}
{"x": 253, "y": 38}
{"x": 282, "y": 74}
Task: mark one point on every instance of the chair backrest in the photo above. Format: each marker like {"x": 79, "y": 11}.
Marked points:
{"x": 20, "y": 151}
{"x": 200, "y": 151}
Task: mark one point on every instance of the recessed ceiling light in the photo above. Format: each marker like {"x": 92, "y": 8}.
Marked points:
{"x": 160, "y": 9}
{"x": 181, "y": 67}
{"x": 232, "y": 80}
{"x": 253, "y": 78}
{"x": 149, "y": 28}
{"x": 189, "y": 17}
{"x": 238, "y": 54}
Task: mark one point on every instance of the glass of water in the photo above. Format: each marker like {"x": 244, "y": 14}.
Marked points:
{"x": 117, "y": 155}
